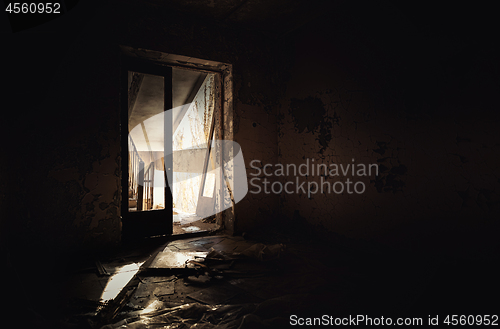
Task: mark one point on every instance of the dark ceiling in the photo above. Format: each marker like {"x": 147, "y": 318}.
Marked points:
{"x": 277, "y": 18}
{"x": 273, "y": 18}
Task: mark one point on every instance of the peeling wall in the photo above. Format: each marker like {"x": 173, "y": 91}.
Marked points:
{"x": 362, "y": 89}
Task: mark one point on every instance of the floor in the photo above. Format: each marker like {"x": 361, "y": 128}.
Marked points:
{"x": 222, "y": 281}
{"x": 190, "y": 223}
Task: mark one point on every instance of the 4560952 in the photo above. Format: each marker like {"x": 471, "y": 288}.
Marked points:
{"x": 33, "y": 8}
{"x": 468, "y": 320}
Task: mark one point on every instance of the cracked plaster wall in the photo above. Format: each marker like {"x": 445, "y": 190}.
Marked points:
{"x": 423, "y": 112}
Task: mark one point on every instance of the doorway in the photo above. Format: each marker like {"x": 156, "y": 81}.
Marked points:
{"x": 170, "y": 119}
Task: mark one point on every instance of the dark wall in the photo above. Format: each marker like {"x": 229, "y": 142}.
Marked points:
{"x": 67, "y": 153}
{"x": 410, "y": 89}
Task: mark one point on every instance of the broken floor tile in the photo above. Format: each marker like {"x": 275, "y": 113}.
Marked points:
{"x": 154, "y": 289}
{"x": 170, "y": 259}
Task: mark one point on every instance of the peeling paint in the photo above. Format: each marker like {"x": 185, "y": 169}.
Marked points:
{"x": 433, "y": 164}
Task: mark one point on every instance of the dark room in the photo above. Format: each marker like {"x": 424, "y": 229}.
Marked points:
{"x": 249, "y": 164}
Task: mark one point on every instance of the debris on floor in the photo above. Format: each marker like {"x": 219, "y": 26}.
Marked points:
{"x": 216, "y": 294}
{"x": 168, "y": 259}
{"x": 212, "y": 261}
{"x": 228, "y": 282}
{"x": 154, "y": 289}
{"x": 201, "y": 279}
{"x": 262, "y": 252}
{"x": 189, "y": 223}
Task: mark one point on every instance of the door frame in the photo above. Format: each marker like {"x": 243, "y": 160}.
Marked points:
{"x": 226, "y": 219}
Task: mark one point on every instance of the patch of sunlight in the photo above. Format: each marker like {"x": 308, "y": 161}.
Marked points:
{"x": 170, "y": 259}
{"x": 155, "y": 305}
{"x": 191, "y": 229}
{"x": 208, "y": 189}
{"x": 119, "y": 280}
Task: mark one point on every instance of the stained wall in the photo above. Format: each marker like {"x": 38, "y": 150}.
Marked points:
{"x": 371, "y": 84}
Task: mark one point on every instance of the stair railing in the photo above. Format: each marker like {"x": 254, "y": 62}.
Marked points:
{"x": 136, "y": 174}
{"x": 149, "y": 177}
{"x": 140, "y": 180}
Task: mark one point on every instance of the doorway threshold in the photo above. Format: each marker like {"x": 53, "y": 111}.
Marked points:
{"x": 184, "y": 223}
{"x": 189, "y": 235}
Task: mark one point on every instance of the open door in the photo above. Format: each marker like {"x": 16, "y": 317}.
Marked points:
{"x": 210, "y": 174}
{"x": 195, "y": 163}
{"x": 146, "y": 149}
